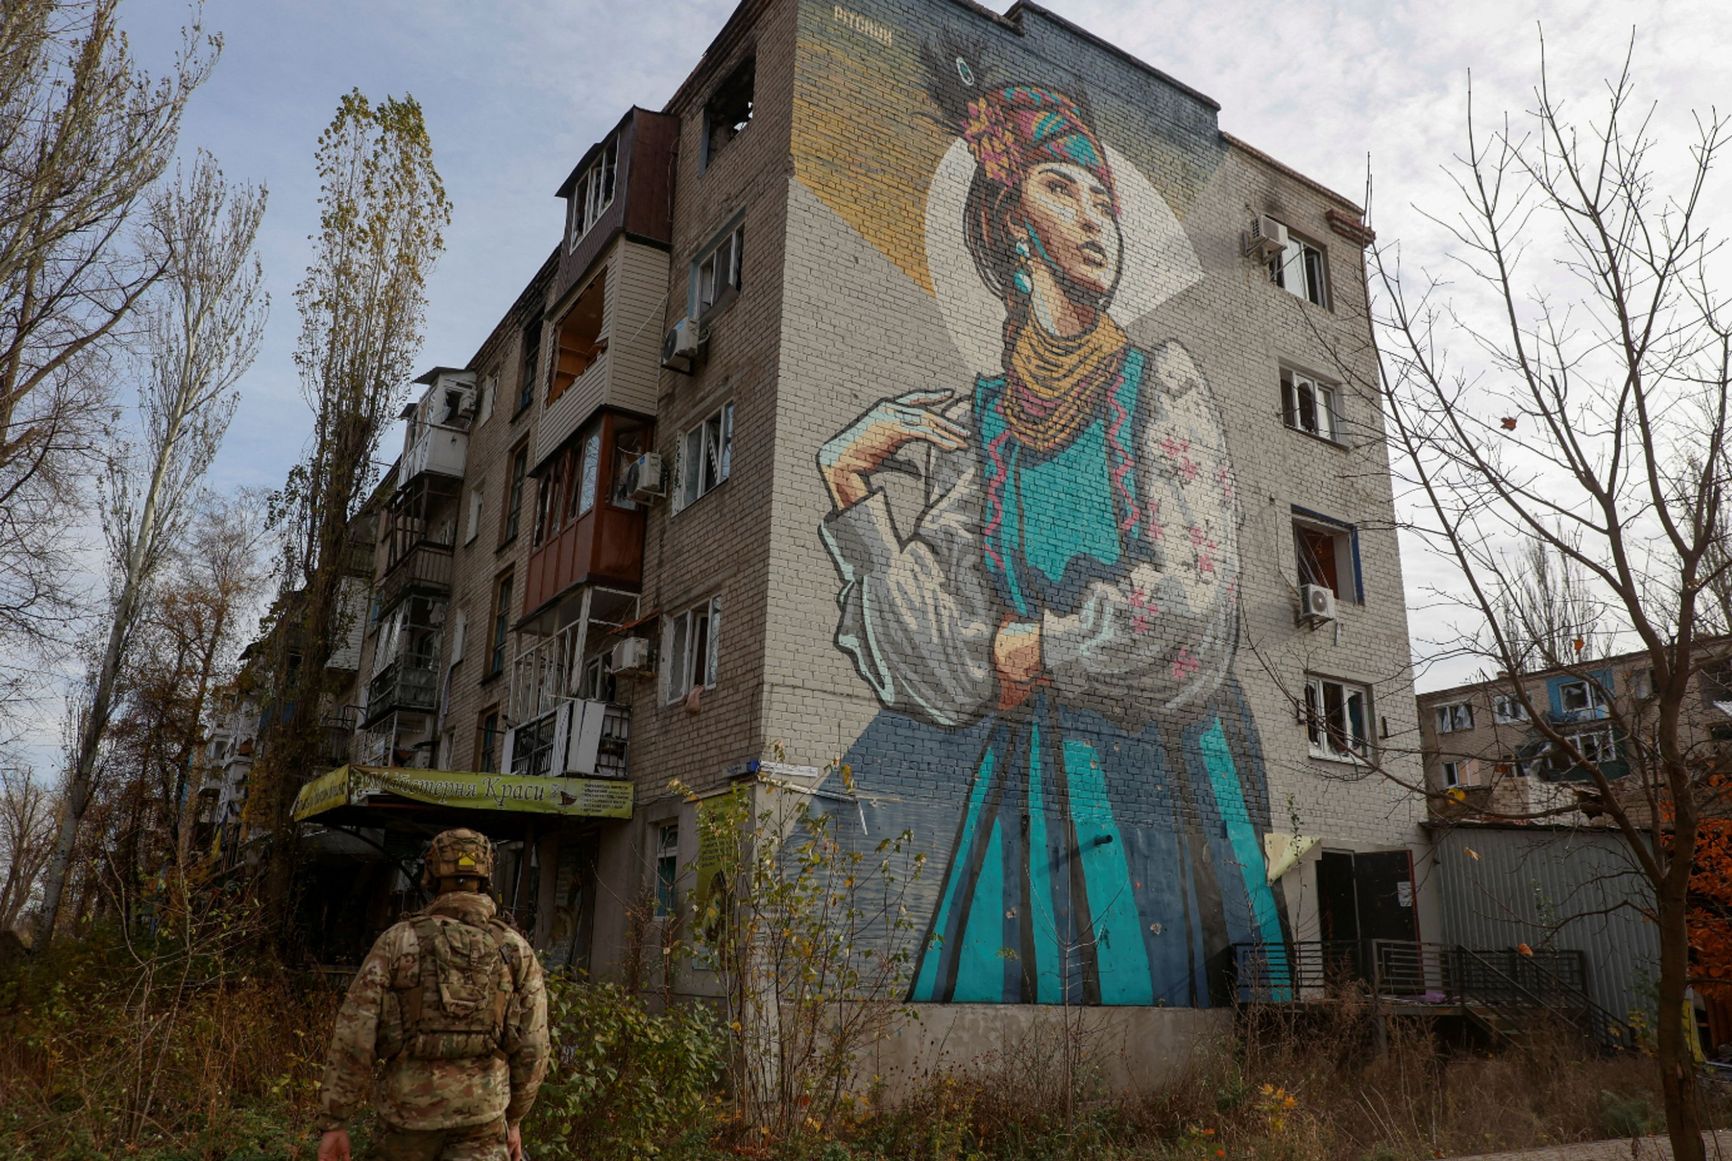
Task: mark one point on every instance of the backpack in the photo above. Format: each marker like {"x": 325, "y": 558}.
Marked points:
{"x": 456, "y": 1007}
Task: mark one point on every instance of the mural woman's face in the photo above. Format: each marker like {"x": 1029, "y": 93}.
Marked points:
{"x": 1070, "y": 213}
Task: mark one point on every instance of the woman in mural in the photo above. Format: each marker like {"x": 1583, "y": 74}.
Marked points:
{"x": 1069, "y": 590}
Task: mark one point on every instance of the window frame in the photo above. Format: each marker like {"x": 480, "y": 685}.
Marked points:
{"x": 1344, "y": 538}
{"x": 681, "y": 649}
{"x": 1320, "y": 732}
{"x": 594, "y": 192}
{"x": 1312, "y": 258}
{"x": 499, "y": 623}
{"x": 693, "y": 456}
{"x": 703, "y": 301}
{"x": 529, "y": 365}
{"x": 1594, "y": 701}
{"x": 1507, "y": 710}
{"x": 1452, "y": 771}
{"x": 1325, "y": 405}
{"x": 665, "y": 867}
{"x": 488, "y": 736}
{"x": 511, "y": 517}
{"x": 1446, "y": 717}
{"x": 724, "y": 89}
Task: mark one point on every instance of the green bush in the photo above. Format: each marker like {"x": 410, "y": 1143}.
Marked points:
{"x": 1628, "y": 1115}
{"x": 624, "y": 1082}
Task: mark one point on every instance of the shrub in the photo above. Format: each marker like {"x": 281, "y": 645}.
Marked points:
{"x": 625, "y": 1082}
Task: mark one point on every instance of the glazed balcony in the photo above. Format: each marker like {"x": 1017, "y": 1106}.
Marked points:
{"x": 439, "y": 450}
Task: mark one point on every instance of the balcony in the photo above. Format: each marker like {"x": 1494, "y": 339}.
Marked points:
{"x": 423, "y": 568}
{"x": 534, "y": 744}
{"x": 439, "y": 451}
{"x": 411, "y": 683}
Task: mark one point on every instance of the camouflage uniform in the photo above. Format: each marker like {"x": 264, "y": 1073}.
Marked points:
{"x": 437, "y": 1109}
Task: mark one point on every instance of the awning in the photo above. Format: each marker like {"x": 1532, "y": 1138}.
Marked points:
{"x": 517, "y": 793}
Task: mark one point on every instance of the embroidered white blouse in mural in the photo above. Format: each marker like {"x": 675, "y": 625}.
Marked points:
{"x": 919, "y": 615}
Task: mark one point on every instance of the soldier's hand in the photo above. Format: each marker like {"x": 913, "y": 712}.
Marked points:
{"x": 513, "y": 1142}
{"x": 334, "y": 1146}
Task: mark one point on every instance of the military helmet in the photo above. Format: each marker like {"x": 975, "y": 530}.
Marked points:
{"x": 457, "y": 854}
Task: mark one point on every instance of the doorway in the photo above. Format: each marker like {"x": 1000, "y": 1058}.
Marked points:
{"x": 1364, "y": 900}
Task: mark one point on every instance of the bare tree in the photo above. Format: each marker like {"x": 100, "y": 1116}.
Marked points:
{"x": 84, "y": 135}
{"x": 1548, "y": 612}
{"x": 1587, "y": 414}
{"x": 383, "y": 211}
{"x": 203, "y": 331}
{"x": 27, "y": 811}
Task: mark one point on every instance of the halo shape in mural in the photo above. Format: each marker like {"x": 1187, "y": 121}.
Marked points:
{"x": 1158, "y": 263}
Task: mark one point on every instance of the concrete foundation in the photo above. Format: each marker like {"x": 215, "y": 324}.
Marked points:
{"x": 1123, "y": 1050}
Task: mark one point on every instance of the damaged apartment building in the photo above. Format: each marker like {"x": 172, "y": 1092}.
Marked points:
{"x": 943, "y": 395}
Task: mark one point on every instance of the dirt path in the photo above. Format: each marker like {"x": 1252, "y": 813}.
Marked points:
{"x": 1647, "y": 1149}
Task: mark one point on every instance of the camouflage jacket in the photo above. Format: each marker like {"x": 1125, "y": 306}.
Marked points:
{"x": 434, "y": 1094}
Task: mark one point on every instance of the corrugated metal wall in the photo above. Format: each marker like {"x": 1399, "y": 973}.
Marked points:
{"x": 1553, "y": 888}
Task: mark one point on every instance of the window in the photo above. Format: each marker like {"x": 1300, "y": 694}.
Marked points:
{"x": 1337, "y": 719}
{"x": 547, "y": 500}
{"x": 593, "y": 192}
{"x": 531, "y": 366}
{"x": 1453, "y": 717}
{"x": 1300, "y": 270}
{"x": 578, "y": 341}
{"x": 532, "y": 746}
{"x": 514, "y": 496}
{"x": 628, "y": 445}
{"x": 716, "y": 272}
{"x": 484, "y": 406}
{"x": 706, "y": 456}
{"x": 501, "y": 625}
{"x": 1716, "y": 680}
{"x": 667, "y": 867}
{"x": 1308, "y": 405}
{"x": 472, "y": 521}
{"x": 1452, "y": 773}
{"x": 729, "y": 109}
{"x": 1507, "y": 708}
{"x": 598, "y": 682}
{"x": 1596, "y": 747}
{"x": 1510, "y": 766}
{"x": 689, "y": 647}
{"x": 487, "y": 740}
{"x": 1327, "y": 553}
{"x": 1579, "y": 697}
{"x": 586, "y": 482}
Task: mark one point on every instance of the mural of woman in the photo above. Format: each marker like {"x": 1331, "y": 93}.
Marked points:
{"x": 1068, "y": 596}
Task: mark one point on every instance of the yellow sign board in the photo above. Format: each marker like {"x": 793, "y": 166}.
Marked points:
{"x": 521, "y": 793}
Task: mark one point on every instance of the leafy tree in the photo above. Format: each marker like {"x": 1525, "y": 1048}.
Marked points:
{"x": 383, "y": 211}
{"x": 84, "y": 136}
{"x": 202, "y": 331}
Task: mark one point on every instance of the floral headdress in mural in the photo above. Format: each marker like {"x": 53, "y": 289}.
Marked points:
{"x": 1011, "y": 129}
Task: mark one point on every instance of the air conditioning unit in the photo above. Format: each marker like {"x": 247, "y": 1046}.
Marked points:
{"x": 1267, "y": 237}
{"x": 643, "y": 479}
{"x": 630, "y": 656}
{"x": 1317, "y": 604}
{"x": 682, "y": 344}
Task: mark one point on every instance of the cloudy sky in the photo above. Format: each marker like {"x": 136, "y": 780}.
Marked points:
{"x": 515, "y": 90}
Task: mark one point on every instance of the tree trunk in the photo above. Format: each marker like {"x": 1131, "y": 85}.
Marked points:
{"x": 1677, "y": 1061}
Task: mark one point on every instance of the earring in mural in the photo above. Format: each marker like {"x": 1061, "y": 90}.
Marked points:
{"x": 1021, "y": 279}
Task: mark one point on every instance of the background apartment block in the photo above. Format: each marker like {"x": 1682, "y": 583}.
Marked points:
{"x": 624, "y": 540}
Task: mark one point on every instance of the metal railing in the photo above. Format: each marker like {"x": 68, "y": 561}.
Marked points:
{"x": 1503, "y": 988}
{"x": 411, "y": 682}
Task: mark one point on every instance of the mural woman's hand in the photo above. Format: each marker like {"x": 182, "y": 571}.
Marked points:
{"x": 1016, "y": 656}
{"x": 862, "y": 448}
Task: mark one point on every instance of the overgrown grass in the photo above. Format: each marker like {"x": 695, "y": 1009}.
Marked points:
{"x": 188, "y": 1050}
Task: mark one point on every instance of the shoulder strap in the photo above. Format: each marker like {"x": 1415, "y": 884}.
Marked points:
{"x": 426, "y": 930}
{"x": 500, "y": 935}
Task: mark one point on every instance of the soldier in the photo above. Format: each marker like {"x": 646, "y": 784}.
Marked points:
{"x": 451, "y": 1001}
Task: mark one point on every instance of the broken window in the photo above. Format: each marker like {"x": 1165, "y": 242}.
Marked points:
{"x": 729, "y": 109}
{"x": 578, "y": 342}
{"x": 593, "y": 192}
{"x": 1300, "y": 270}
{"x": 1337, "y": 718}
{"x": 1308, "y": 404}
